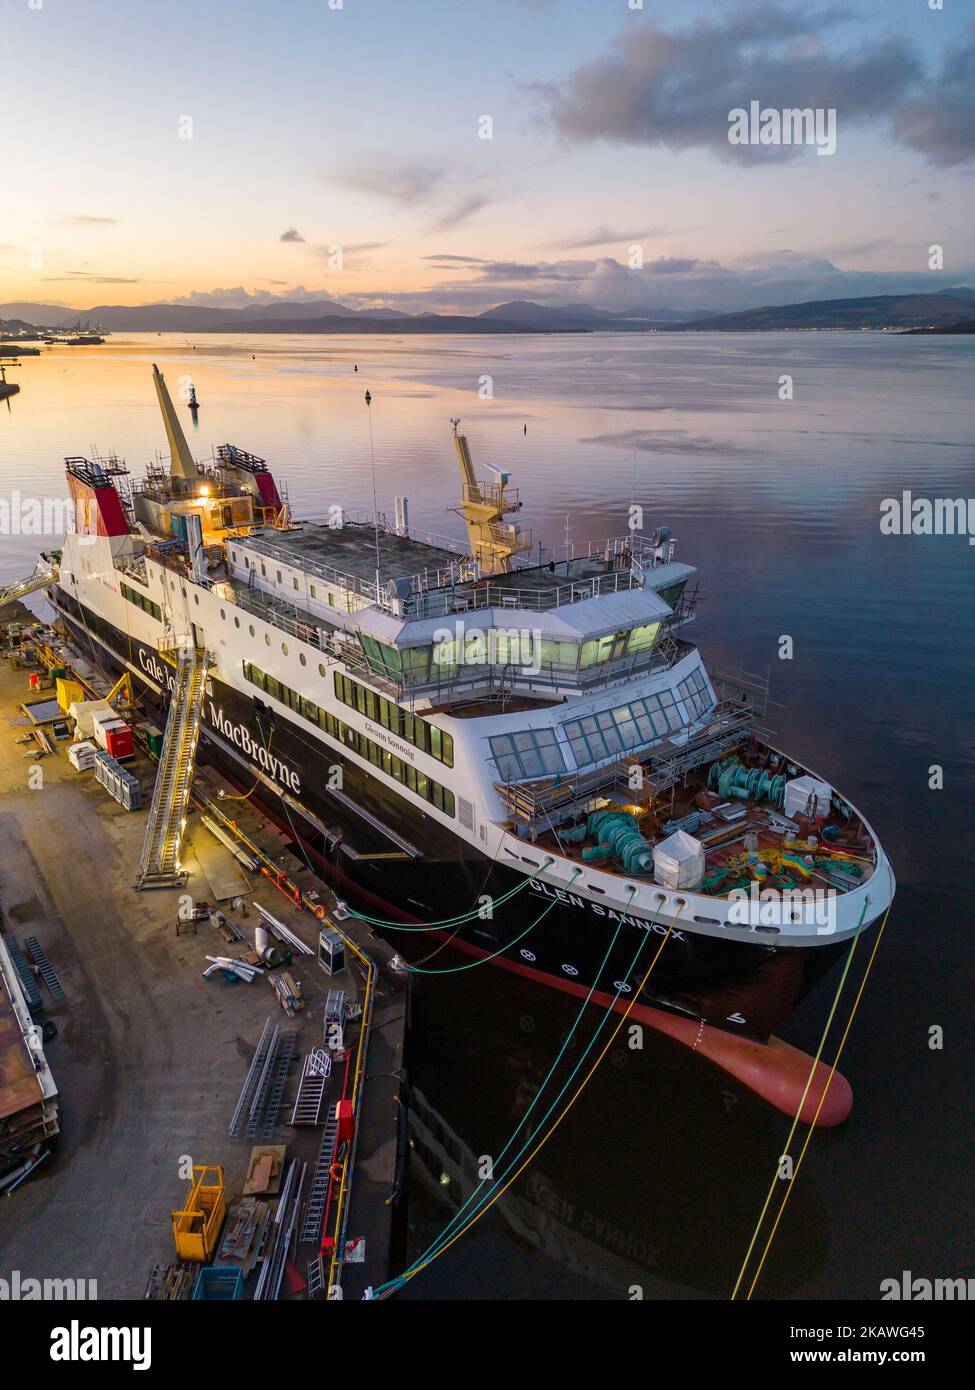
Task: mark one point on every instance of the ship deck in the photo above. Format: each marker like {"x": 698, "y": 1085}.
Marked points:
{"x": 838, "y": 853}
{"x": 351, "y": 550}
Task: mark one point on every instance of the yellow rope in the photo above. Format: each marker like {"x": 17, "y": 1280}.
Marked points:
{"x": 802, "y": 1101}
{"x": 612, "y": 1037}
{"x": 812, "y": 1127}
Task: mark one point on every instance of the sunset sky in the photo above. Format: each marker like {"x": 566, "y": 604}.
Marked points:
{"x": 358, "y": 126}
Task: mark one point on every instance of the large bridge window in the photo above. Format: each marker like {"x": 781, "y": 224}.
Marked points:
{"x": 614, "y": 731}
{"x": 528, "y": 753}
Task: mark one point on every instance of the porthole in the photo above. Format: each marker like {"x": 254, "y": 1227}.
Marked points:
{"x": 321, "y": 669}
{"x": 250, "y": 629}
{"x": 223, "y": 616}
{"x": 236, "y": 622}
{"x": 267, "y": 639}
{"x": 302, "y": 658}
{"x": 284, "y": 648}
{"x": 196, "y": 598}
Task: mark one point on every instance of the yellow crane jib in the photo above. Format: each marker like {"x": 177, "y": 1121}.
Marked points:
{"x": 181, "y": 460}
{"x": 484, "y": 505}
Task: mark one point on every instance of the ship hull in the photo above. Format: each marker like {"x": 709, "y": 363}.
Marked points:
{"x": 390, "y": 860}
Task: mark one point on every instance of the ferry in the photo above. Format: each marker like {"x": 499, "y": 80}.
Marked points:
{"x": 530, "y": 760}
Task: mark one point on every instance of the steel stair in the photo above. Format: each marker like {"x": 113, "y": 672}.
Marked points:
{"x": 311, "y": 1088}
{"x": 311, "y": 1226}
{"x": 159, "y": 866}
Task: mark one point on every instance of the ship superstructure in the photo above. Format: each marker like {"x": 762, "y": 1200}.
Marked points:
{"x": 437, "y": 723}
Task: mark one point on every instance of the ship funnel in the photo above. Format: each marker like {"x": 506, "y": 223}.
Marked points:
{"x": 181, "y": 460}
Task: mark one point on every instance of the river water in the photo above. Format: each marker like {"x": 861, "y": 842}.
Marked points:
{"x": 656, "y": 1177}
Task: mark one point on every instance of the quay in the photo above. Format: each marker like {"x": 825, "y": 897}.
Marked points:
{"x": 151, "y": 1061}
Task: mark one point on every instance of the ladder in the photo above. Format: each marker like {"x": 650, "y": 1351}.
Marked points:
{"x": 48, "y": 973}
{"x": 159, "y": 867}
{"x": 267, "y": 1123}
{"x": 311, "y": 1227}
{"x": 311, "y": 1088}
{"x": 33, "y": 995}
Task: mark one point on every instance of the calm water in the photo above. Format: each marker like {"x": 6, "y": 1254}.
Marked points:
{"x": 657, "y": 1176}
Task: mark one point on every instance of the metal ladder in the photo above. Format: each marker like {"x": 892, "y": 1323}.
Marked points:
{"x": 159, "y": 866}
{"x": 311, "y": 1088}
{"x": 272, "y": 1107}
{"x": 48, "y": 974}
{"x": 311, "y": 1226}
{"x": 34, "y": 1001}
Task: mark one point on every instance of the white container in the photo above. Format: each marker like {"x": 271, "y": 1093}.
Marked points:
{"x": 678, "y": 861}
{"x": 81, "y": 756}
{"x": 799, "y": 795}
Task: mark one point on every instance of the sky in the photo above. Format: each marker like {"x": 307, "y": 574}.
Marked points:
{"x": 219, "y": 153}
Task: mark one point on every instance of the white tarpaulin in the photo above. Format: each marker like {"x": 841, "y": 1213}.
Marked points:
{"x": 798, "y": 794}
{"x": 678, "y": 861}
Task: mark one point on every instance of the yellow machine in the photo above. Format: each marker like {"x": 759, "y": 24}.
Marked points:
{"x": 196, "y": 1229}
{"x": 484, "y": 506}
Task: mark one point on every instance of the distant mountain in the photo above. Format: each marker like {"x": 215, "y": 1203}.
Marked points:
{"x": 365, "y": 323}
{"x": 325, "y": 315}
{"x": 871, "y": 311}
{"x": 559, "y": 317}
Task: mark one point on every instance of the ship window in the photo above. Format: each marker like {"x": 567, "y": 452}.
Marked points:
{"x": 311, "y": 590}
{"x": 284, "y": 648}
{"x": 279, "y": 576}
{"x": 223, "y": 616}
{"x": 295, "y": 583}
{"x": 236, "y": 622}
{"x": 196, "y": 598}
{"x": 250, "y": 627}
{"x": 564, "y": 655}
{"x": 331, "y": 599}
{"x": 321, "y": 669}
{"x": 527, "y": 753}
{"x": 302, "y": 658}
{"x": 267, "y": 639}
{"x": 693, "y": 690}
{"x": 641, "y": 639}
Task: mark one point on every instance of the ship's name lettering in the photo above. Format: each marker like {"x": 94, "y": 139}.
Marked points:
{"x": 402, "y": 749}
{"x": 251, "y": 748}
{"x": 154, "y": 668}
{"x": 571, "y": 900}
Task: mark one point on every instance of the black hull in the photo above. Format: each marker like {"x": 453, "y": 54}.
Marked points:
{"x": 393, "y": 861}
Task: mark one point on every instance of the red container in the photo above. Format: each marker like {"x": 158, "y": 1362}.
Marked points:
{"x": 118, "y": 742}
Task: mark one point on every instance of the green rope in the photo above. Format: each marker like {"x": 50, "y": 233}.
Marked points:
{"x": 445, "y": 921}
{"x": 456, "y": 969}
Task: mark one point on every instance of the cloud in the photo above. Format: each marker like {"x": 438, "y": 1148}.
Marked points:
{"x": 604, "y": 236}
{"x": 78, "y": 221}
{"x": 239, "y": 298}
{"x": 95, "y": 279}
{"x": 292, "y": 234}
{"x": 674, "y": 88}
{"x": 460, "y": 212}
{"x": 671, "y": 283}
{"x": 940, "y": 122}
{"x": 408, "y": 183}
